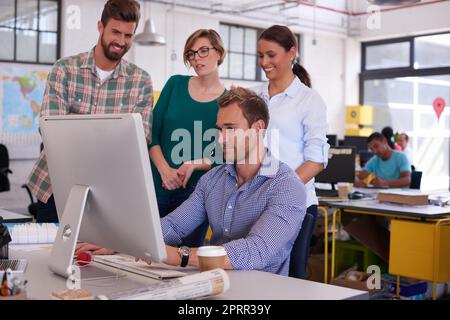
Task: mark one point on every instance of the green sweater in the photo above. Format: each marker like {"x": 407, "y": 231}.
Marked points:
{"x": 179, "y": 123}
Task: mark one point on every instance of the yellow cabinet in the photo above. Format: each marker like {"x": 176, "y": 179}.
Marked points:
{"x": 358, "y": 121}
{"x": 359, "y": 115}
{"x": 420, "y": 250}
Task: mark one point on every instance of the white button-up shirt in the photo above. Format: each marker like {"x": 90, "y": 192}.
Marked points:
{"x": 297, "y": 128}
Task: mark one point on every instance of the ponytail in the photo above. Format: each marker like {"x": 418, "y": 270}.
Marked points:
{"x": 302, "y": 74}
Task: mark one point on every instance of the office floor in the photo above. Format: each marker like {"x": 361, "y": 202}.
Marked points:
{"x": 17, "y": 197}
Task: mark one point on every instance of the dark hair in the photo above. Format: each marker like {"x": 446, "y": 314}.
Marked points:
{"x": 388, "y": 133}
{"x": 376, "y": 136}
{"x": 212, "y": 36}
{"x": 253, "y": 107}
{"x": 286, "y": 39}
{"x": 122, "y": 10}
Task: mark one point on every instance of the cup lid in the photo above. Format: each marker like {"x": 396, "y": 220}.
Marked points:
{"x": 211, "y": 251}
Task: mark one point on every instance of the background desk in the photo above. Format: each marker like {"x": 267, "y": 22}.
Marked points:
{"x": 426, "y": 227}
{"x": 252, "y": 285}
{"x": 14, "y": 217}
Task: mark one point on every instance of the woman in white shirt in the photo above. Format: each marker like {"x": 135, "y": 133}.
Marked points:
{"x": 298, "y": 125}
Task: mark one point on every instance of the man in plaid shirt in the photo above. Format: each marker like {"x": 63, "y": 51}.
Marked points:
{"x": 100, "y": 82}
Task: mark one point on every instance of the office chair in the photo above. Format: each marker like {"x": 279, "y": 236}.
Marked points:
{"x": 33, "y": 206}
{"x": 300, "y": 250}
{"x": 416, "y": 178}
{"x": 364, "y": 157}
{"x": 4, "y": 169}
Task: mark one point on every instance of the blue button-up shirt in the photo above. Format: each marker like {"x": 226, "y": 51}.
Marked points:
{"x": 257, "y": 223}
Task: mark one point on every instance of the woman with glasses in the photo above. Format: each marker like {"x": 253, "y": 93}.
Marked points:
{"x": 298, "y": 119}
{"x": 185, "y": 110}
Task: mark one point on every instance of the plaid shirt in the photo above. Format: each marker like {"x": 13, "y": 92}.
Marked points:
{"x": 73, "y": 87}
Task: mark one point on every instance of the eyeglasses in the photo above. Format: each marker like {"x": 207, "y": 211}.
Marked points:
{"x": 203, "y": 52}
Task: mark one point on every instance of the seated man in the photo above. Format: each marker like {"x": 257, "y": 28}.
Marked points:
{"x": 389, "y": 168}
{"x": 254, "y": 204}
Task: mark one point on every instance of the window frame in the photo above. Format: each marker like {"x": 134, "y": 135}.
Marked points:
{"x": 39, "y": 32}
{"x": 389, "y": 73}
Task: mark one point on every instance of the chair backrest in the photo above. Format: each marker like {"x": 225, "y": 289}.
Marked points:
{"x": 300, "y": 250}
{"x": 4, "y": 156}
{"x": 4, "y": 168}
{"x": 416, "y": 178}
{"x": 364, "y": 157}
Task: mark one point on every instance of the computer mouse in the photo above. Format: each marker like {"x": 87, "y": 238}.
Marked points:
{"x": 356, "y": 195}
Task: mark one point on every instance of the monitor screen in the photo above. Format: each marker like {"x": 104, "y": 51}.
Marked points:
{"x": 341, "y": 166}
{"x": 359, "y": 142}
{"x": 332, "y": 140}
{"x": 108, "y": 154}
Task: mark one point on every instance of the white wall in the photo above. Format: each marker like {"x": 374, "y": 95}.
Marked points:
{"x": 352, "y": 68}
{"x": 325, "y": 61}
{"x": 73, "y": 39}
{"x": 420, "y": 19}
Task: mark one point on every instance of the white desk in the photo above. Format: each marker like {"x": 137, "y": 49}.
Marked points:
{"x": 14, "y": 217}
{"x": 403, "y": 210}
{"x": 437, "y": 216}
{"x": 251, "y": 285}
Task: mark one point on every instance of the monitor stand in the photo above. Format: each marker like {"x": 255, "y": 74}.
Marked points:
{"x": 327, "y": 193}
{"x": 61, "y": 259}
{"x": 63, "y": 249}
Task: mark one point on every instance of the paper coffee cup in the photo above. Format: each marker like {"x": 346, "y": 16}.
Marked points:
{"x": 211, "y": 257}
{"x": 344, "y": 188}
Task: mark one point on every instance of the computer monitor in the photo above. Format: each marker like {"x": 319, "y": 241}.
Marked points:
{"x": 341, "y": 166}
{"x": 332, "y": 139}
{"x": 102, "y": 184}
{"x": 359, "y": 142}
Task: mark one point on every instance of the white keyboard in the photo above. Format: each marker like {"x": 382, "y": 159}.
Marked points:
{"x": 127, "y": 263}
{"x": 16, "y": 266}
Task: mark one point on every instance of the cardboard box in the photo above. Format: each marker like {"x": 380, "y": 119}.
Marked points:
{"x": 358, "y": 285}
{"x": 352, "y": 279}
{"x": 370, "y": 232}
{"x": 315, "y": 267}
{"x": 404, "y": 197}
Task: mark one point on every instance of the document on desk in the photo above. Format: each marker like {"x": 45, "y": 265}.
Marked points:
{"x": 203, "y": 284}
{"x": 32, "y": 233}
{"x": 124, "y": 262}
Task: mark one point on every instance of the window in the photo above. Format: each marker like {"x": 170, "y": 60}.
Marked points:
{"x": 29, "y": 31}
{"x": 241, "y": 62}
{"x": 402, "y": 78}
{"x": 391, "y": 55}
{"x": 432, "y": 51}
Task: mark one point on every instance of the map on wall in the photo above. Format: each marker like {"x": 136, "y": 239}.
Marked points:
{"x": 21, "y": 92}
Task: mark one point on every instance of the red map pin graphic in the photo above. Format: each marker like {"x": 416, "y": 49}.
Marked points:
{"x": 438, "y": 106}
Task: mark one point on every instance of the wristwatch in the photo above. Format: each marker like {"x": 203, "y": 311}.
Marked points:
{"x": 184, "y": 253}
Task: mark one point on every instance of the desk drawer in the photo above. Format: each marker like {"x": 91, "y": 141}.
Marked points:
{"x": 415, "y": 250}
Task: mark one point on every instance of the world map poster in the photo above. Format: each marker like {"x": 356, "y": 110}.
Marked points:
{"x": 21, "y": 92}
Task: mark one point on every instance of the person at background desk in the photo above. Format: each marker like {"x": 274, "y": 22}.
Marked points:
{"x": 388, "y": 168}
{"x": 188, "y": 104}
{"x": 95, "y": 82}
{"x": 403, "y": 142}
{"x": 254, "y": 203}
{"x": 298, "y": 125}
